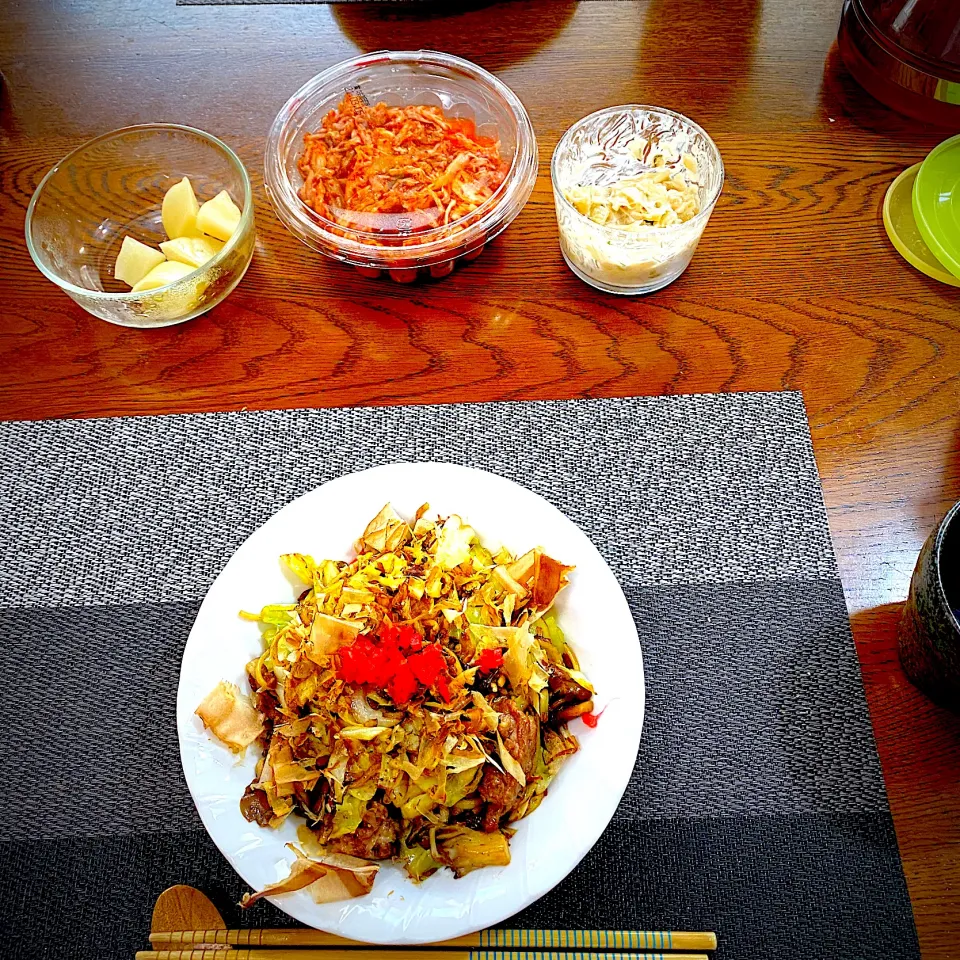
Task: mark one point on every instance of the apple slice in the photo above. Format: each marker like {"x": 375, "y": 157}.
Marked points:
{"x": 167, "y": 272}
{"x": 179, "y": 211}
{"x": 219, "y": 217}
{"x": 135, "y": 261}
{"x": 193, "y": 251}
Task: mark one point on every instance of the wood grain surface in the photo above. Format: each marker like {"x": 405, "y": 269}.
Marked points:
{"x": 795, "y": 285}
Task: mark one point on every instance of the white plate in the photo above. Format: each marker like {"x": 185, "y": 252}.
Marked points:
{"x": 580, "y": 802}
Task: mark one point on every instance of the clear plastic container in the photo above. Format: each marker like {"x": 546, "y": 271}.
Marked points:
{"x": 398, "y": 242}
{"x": 112, "y": 187}
{"x": 596, "y": 151}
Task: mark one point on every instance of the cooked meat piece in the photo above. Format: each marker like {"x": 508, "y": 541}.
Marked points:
{"x": 564, "y": 691}
{"x": 564, "y": 687}
{"x": 521, "y": 736}
{"x": 499, "y": 790}
{"x": 255, "y": 806}
{"x": 520, "y": 732}
{"x": 268, "y": 707}
{"x": 374, "y": 839}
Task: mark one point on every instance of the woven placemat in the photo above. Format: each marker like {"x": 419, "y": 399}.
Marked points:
{"x": 757, "y": 806}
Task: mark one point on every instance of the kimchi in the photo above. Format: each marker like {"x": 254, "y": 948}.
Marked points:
{"x": 415, "y": 163}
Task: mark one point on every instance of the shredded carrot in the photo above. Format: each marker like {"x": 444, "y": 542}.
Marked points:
{"x": 370, "y": 160}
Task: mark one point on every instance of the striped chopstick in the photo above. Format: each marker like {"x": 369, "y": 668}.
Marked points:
{"x": 415, "y": 953}
{"x": 618, "y": 940}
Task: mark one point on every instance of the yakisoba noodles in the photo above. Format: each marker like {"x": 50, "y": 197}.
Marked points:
{"x": 410, "y": 706}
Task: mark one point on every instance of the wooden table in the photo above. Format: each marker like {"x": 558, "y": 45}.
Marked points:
{"x": 795, "y": 285}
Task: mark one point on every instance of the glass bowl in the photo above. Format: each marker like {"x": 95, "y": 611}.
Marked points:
{"x": 393, "y": 242}
{"x": 112, "y": 187}
{"x": 595, "y": 152}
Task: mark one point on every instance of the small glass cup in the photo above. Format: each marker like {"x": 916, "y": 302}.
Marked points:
{"x": 113, "y": 187}
{"x": 595, "y": 151}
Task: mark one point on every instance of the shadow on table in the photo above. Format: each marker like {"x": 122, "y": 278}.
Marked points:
{"x": 507, "y": 32}
{"x": 7, "y": 124}
{"x": 913, "y": 733}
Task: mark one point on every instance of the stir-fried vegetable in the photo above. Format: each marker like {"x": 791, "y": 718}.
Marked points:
{"x": 413, "y": 701}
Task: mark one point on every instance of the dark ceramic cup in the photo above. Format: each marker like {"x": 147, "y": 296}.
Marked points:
{"x": 930, "y": 628}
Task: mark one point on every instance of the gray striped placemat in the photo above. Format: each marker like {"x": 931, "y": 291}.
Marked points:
{"x": 757, "y": 807}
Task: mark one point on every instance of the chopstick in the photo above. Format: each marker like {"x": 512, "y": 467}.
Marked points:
{"x": 417, "y": 953}
{"x": 180, "y": 907}
{"x": 618, "y": 940}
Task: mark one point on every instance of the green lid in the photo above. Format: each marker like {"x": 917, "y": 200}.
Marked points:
{"x": 936, "y": 203}
{"x": 902, "y": 228}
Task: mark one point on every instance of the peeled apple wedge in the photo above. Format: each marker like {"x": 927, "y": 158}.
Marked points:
{"x": 193, "y": 251}
{"x": 179, "y": 211}
{"x": 167, "y": 272}
{"x": 135, "y": 261}
{"x": 219, "y": 217}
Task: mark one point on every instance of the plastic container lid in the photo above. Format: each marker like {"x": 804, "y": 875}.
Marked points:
{"x": 936, "y": 203}
{"x": 902, "y": 228}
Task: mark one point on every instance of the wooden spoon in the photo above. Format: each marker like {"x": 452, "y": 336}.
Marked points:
{"x": 186, "y": 908}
